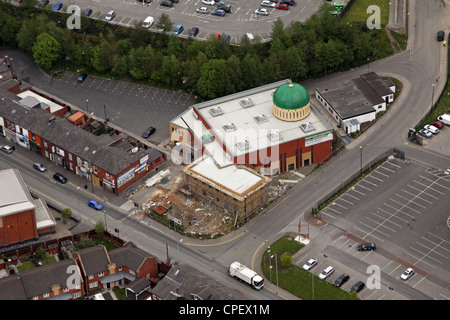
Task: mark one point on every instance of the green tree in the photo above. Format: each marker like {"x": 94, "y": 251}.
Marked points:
{"x": 100, "y": 227}
{"x": 46, "y": 50}
{"x": 143, "y": 62}
{"x": 66, "y": 214}
{"x": 286, "y": 259}
{"x": 10, "y": 26}
{"x": 215, "y": 79}
{"x": 164, "y": 23}
{"x": 40, "y": 253}
{"x": 30, "y": 29}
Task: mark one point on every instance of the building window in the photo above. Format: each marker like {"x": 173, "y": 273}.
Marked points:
{"x": 262, "y": 199}
{"x": 225, "y": 205}
{"x": 46, "y": 295}
{"x": 204, "y": 192}
{"x": 76, "y": 295}
{"x": 45, "y": 144}
{"x": 217, "y": 199}
{"x": 93, "y": 285}
{"x": 235, "y": 210}
{"x": 101, "y": 274}
{"x": 91, "y": 277}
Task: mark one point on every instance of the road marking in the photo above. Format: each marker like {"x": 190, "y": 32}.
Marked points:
{"x": 417, "y": 196}
{"x": 412, "y": 201}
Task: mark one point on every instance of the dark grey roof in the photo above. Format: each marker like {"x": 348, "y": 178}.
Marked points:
{"x": 129, "y": 256}
{"x": 183, "y": 282}
{"x": 94, "y": 259}
{"x": 39, "y": 280}
{"x": 75, "y": 140}
{"x": 11, "y": 288}
{"x": 138, "y": 285}
{"x": 378, "y": 84}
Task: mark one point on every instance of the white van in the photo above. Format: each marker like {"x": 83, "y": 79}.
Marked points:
{"x": 148, "y": 22}
{"x": 445, "y": 118}
{"x": 250, "y": 37}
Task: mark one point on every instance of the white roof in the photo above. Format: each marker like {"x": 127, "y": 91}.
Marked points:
{"x": 14, "y": 195}
{"x": 44, "y": 218}
{"x": 234, "y": 178}
{"x": 53, "y": 106}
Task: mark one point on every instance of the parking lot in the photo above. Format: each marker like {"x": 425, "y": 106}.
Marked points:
{"x": 241, "y": 20}
{"x": 130, "y": 106}
{"x": 402, "y": 206}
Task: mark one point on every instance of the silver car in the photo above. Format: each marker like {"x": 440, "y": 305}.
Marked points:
{"x": 6, "y": 149}
{"x": 110, "y": 15}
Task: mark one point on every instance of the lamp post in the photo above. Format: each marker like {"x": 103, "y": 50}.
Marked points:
{"x": 87, "y": 106}
{"x": 360, "y": 149}
{"x": 432, "y": 96}
{"x": 276, "y": 265}
{"x": 178, "y": 245}
{"x": 368, "y": 148}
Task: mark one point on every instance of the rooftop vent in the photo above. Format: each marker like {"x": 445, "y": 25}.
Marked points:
{"x": 260, "y": 118}
{"x": 307, "y": 127}
{"x": 243, "y": 145}
{"x": 274, "y": 136}
{"x": 194, "y": 115}
{"x": 229, "y": 127}
{"x": 246, "y": 103}
{"x": 216, "y": 111}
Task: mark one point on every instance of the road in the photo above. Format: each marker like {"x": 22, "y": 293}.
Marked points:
{"x": 417, "y": 67}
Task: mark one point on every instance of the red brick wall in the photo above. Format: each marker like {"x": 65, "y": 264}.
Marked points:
{"x": 149, "y": 267}
{"x": 19, "y": 227}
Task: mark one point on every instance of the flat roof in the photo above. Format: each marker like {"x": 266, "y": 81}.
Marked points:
{"x": 252, "y": 122}
{"x": 234, "y": 178}
{"x": 14, "y": 195}
{"x": 53, "y": 106}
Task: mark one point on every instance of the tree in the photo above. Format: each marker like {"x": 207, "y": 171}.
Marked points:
{"x": 10, "y": 27}
{"x": 99, "y": 227}
{"x": 39, "y": 254}
{"x": 286, "y": 259}
{"x": 164, "y": 23}
{"x": 215, "y": 79}
{"x": 66, "y": 214}
{"x": 46, "y": 50}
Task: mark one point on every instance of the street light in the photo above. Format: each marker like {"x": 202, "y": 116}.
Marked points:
{"x": 432, "y": 96}
{"x": 360, "y": 149}
{"x": 276, "y": 265}
{"x": 87, "y": 106}
{"x": 178, "y": 245}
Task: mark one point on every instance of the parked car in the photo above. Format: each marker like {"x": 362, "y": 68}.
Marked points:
{"x": 282, "y": 6}
{"x": 311, "y": 263}
{"x": 6, "y": 149}
{"x": 209, "y": 2}
{"x": 431, "y": 128}
{"x": 94, "y": 204}
{"x": 267, "y": 3}
{"x": 148, "y": 132}
{"x": 425, "y": 133}
{"x": 59, "y": 177}
{"x": 437, "y": 124}
{"x": 178, "y": 29}
{"x": 224, "y": 6}
{"x": 57, "y": 6}
{"x": 43, "y": 3}
{"x": 174, "y": 1}
{"x": 407, "y": 274}
{"x": 145, "y": 1}
{"x": 39, "y": 167}
{"x": 17, "y": 2}
{"x": 218, "y": 12}
{"x": 110, "y": 15}
{"x": 148, "y": 22}
{"x": 357, "y": 287}
{"x": 366, "y": 246}
{"x": 262, "y": 12}
{"x": 250, "y": 37}
{"x": 87, "y": 12}
{"x": 343, "y": 278}
{"x": 202, "y": 10}
{"x": 325, "y": 273}
{"x": 444, "y": 118}
{"x": 166, "y": 3}
{"x": 193, "y": 32}
{"x": 82, "y": 77}
{"x": 440, "y": 35}
{"x": 289, "y": 2}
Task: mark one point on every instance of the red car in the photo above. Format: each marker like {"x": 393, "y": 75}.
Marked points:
{"x": 438, "y": 124}
{"x": 282, "y": 6}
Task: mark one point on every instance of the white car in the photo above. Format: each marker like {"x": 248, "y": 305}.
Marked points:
{"x": 267, "y": 3}
{"x": 311, "y": 263}
{"x": 426, "y": 133}
{"x": 202, "y": 10}
{"x": 262, "y": 12}
{"x": 209, "y": 2}
{"x": 6, "y": 149}
{"x": 407, "y": 274}
{"x": 110, "y": 15}
{"x": 431, "y": 128}
{"x": 325, "y": 273}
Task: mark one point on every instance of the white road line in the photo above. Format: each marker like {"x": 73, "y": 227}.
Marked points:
{"x": 398, "y": 210}
{"x": 359, "y": 185}
{"x": 382, "y": 226}
{"x": 420, "y": 244}
{"x": 419, "y": 259}
{"x": 425, "y": 255}
{"x": 333, "y": 210}
{"x": 350, "y": 195}
{"x": 359, "y": 192}
{"x": 416, "y": 195}
{"x": 388, "y": 162}
{"x": 340, "y": 205}
{"x": 434, "y": 181}
{"x": 371, "y": 183}
{"x": 412, "y": 202}
{"x": 428, "y": 187}
{"x": 405, "y": 205}
{"x": 374, "y": 229}
{"x": 381, "y": 217}
{"x": 382, "y": 173}
{"x": 387, "y": 169}
{"x": 371, "y": 176}
{"x": 345, "y": 200}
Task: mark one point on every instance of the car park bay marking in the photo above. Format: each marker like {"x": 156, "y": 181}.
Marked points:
{"x": 417, "y": 197}
{"x": 409, "y": 265}
{"x": 408, "y": 199}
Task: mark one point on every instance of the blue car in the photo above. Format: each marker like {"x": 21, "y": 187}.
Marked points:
{"x": 94, "y": 204}
{"x": 57, "y": 6}
{"x": 178, "y": 29}
{"x": 218, "y": 12}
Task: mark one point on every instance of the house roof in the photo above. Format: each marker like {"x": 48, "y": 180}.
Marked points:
{"x": 95, "y": 149}
{"x": 94, "y": 259}
{"x": 11, "y": 288}
{"x": 184, "y": 282}
{"x": 129, "y": 256}
{"x": 40, "y": 280}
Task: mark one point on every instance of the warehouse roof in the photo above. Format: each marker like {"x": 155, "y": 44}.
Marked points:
{"x": 14, "y": 195}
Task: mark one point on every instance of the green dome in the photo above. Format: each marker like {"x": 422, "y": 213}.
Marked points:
{"x": 291, "y": 96}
